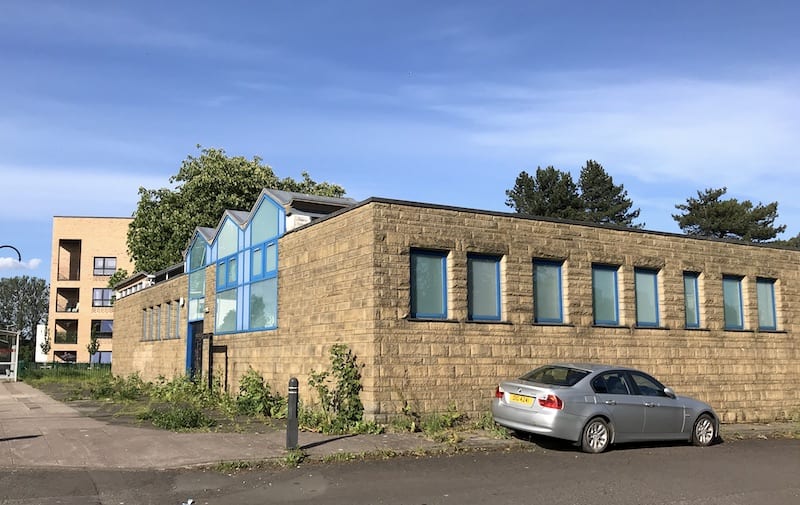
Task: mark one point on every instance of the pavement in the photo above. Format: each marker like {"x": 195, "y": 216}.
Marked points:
{"x": 37, "y": 431}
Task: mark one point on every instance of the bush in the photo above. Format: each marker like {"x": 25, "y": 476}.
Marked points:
{"x": 255, "y": 397}
{"x": 178, "y": 418}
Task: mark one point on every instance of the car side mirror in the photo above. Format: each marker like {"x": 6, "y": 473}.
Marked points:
{"x": 669, "y": 392}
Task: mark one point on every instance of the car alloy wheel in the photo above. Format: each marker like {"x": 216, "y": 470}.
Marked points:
{"x": 596, "y": 436}
{"x": 703, "y": 433}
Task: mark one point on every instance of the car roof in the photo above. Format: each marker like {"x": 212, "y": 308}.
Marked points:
{"x": 591, "y": 367}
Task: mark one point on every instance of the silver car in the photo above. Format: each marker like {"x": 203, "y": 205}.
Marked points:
{"x": 599, "y": 405}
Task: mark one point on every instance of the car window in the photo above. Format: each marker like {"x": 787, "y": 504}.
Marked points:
{"x": 613, "y": 383}
{"x": 648, "y": 386}
{"x": 555, "y": 375}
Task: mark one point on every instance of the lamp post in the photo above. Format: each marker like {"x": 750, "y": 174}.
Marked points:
{"x": 19, "y": 256}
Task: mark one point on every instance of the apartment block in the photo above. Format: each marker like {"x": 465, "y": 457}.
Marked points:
{"x": 86, "y": 251}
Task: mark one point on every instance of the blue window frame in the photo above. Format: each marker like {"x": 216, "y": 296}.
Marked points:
{"x": 428, "y": 284}
{"x": 767, "y": 317}
{"x": 226, "y": 273}
{"x": 264, "y": 304}
{"x": 548, "y": 305}
{"x": 646, "y": 288}
{"x": 605, "y": 295}
{"x": 732, "y": 301}
{"x": 264, "y": 260}
{"x": 691, "y": 299}
{"x": 483, "y": 287}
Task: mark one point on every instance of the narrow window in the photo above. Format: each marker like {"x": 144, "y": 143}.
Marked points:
{"x": 604, "y": 295}
{"x": 168, "y": 320}
{"x": 483, "y": 287}
{"x": 765, "y": 288}
{"x": 428, "y": 284}
{"x": 691, "y": 299}
{"x": 177, "y": 306}
{"x": 257, "y": 263}
{"x": 144, "y": 324}
{"x": 732, "y": 300}
{"x": 646, "y": 287}
{"x": 157, "y": 310}
{"x": 547, "y": 295}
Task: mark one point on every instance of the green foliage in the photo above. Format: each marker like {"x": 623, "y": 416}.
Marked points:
{"x": 603, "y": 201}
{"x": 550, "y": 193}
{"x": 178, "y": 417}
{"x": 204, "y": 187}
{"x": 553, "y": 193}
{"x": 256, "y": 398}
{"x": 338, "y": 390}
{"x": 93, "y": 346}
{"x": 293, "y": 458}
{"x": 117, "y": 277}
{"x": 119, "y": 388}
{"x": 440, "y": 426}
{"x": 486, "y": 423}
{"x": 23, "y": 305}
{"x": 709, "y": 215}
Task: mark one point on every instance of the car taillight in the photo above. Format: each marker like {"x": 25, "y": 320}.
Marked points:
{"x": 498, "y": 393}
{"x": 551, "y": 402}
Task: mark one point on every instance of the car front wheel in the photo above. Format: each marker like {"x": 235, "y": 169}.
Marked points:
{"x": 703, "y": 431}
{"x": 596, "y": 436}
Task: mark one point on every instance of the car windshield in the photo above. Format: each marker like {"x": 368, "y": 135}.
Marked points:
{"x": 555, "y": 375}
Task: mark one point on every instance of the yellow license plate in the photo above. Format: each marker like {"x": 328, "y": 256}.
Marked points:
{"x": 524, "y": 400}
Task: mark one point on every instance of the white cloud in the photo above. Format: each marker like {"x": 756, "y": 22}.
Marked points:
{"x": 14, "y": 264}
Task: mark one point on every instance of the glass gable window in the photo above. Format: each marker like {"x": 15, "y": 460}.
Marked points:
{"x": 691, "y": 299}
{"x": 428, "y": 284}
{"x": 197, "y": 280}
{"x": 226, "y": 311}
{"x": 483, "y": 287}
{"x": 646, "y": 287}
{"x": 264, "y": 225}
{"x": 101, "y": 297}
{"x": 732, "y": 301}
{"x": 104, "y": 266}
{"x": 765, "y": 289}
{"x": 605, "y": 303}
{"x": 264, "y": 303}
{"x": 547, "y": 295}
{"x": 228, "y": 239}
{"x": 197, "y": 255}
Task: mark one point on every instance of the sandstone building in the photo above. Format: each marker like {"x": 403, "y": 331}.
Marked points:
{"x": 439, "y": 303}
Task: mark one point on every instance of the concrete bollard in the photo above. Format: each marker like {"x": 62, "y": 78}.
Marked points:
{"x": 291, "y": 417}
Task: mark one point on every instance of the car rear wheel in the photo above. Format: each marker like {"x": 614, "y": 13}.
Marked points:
{"x": 596, "y": 436}
{"x": 703, "y": 431}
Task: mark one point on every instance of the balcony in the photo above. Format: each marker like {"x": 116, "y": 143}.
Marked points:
{"x": 69, "y": 260}
{"x": 67, "y": 299}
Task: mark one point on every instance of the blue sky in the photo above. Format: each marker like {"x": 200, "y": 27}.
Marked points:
{"x": 440, "y": 102}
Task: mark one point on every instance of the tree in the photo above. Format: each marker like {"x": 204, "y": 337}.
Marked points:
{"x": 117, "y": 277}
{"x": 551, "y": 193}
{"x": 93, "y": 346}
{"x": 603, "y": 201}
{"x": 204, "y": 187}
{"x": 23, "y": 305}
{"x": 709, "y": 215}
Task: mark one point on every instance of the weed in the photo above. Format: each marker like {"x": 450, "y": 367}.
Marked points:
{"x": 338, "y": 390}
{"x": 177, "y": 418}
{"x": 294, "y": 457}
{"x": 256, "y": 398}
{"x": 486, "y": 423}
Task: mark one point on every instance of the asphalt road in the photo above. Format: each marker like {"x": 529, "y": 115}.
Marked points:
{"x": 763, "y": 472}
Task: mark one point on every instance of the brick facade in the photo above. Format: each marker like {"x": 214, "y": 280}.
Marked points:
{"x": 347, "y": 279}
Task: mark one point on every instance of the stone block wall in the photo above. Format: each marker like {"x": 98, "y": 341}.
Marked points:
{"x": 149, "y": 358}
{"x": 746, "y": 375}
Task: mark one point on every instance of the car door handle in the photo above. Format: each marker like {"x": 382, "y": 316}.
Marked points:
{"x": 610, "y": 402}
{"x": 649, "y": 404}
